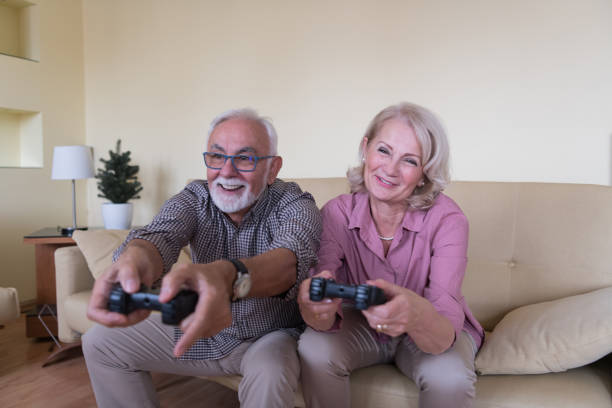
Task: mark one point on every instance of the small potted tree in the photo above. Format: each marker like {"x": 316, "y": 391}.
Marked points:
{"x": 118, "y": 183}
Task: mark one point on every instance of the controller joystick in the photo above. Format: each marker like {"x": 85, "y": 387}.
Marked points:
{"x": 173, "y": 312}
{"x": 363, "y": 295}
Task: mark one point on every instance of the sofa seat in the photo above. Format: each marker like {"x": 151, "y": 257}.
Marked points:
{"x": 589, "y": 386}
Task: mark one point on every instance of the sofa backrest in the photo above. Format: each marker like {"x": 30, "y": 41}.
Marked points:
{"x": 529, "y": 242}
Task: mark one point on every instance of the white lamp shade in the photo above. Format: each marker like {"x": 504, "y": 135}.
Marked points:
{"x": 72, "y": 162}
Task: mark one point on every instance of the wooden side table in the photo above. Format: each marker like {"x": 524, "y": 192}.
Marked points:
{"x": 45, "y": 242}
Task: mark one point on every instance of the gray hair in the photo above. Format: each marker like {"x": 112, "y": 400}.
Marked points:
{"x": 434, "y": 144}
{"x": 247, "y": 113}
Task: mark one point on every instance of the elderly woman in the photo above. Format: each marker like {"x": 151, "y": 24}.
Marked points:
{"x": 397, "y": 231}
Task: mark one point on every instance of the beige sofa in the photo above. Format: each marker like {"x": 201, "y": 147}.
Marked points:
{"x": 529, "y": 243}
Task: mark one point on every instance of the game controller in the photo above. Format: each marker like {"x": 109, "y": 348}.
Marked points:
{"x": 173, "y": 312}
{"x": 363, "y": 295}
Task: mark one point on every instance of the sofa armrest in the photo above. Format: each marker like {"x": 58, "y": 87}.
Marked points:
{"x": 71, "y": 276}
{"x": 9, "y": 305}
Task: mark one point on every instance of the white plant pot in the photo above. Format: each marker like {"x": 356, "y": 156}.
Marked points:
{"x": 117, "y": 216}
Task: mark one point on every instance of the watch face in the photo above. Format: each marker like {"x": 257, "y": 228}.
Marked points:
{"x": 242, "y": 286}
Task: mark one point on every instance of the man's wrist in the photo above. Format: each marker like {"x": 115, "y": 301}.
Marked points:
{"x": 229, "y": 275}
{"x": 242, "y": 284}
{"x": 146, "y": 256}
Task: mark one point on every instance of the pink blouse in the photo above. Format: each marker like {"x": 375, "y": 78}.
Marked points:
{"x": 428, "y": 254}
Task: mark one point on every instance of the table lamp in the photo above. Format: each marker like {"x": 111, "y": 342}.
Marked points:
{"x": 72, "y": 163}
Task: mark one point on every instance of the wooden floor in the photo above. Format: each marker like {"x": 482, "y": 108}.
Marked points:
{"x": 65, "y": 384}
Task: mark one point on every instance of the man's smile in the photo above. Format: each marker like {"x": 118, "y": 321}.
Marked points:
{"x": 231, "y": 187}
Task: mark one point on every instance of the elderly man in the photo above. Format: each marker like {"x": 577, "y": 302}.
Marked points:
{"x": 253, "y": 239}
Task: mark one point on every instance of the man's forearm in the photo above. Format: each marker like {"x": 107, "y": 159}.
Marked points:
{"x": 272, "y": 272}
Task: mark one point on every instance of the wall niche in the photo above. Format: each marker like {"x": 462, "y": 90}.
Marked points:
{"x": 19, "y": 32}
{"x": 21, "y": 143}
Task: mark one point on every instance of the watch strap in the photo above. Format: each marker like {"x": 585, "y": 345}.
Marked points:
{"x": 240, "y": 267}
{"x": 241, "y": 270}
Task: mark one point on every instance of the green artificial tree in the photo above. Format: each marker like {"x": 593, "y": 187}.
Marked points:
{"x": 117, "y": 181}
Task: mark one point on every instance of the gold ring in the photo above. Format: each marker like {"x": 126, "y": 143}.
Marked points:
{"x": 379, "y": 328}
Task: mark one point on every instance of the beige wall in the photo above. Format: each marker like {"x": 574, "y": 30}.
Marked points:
{"x": 29, "y": 199}
{"x": 523, "y": 87}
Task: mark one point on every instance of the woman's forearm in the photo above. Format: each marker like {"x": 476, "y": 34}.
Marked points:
{"x": 432, "y": 332}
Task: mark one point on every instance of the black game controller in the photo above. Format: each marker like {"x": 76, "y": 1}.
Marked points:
{"x": 363, "y": 295}
{"x": 173, "y": 312}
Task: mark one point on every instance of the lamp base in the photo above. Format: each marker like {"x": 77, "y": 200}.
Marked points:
{"x": 67, "y": 231}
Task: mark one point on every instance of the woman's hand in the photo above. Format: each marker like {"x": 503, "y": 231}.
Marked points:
{"x": 399, "y": 314}
{"x": 318, "y": 315}
{"x": 407, "y": 312}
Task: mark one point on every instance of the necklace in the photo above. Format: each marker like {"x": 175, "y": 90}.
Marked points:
{"x": 385, "y": 238}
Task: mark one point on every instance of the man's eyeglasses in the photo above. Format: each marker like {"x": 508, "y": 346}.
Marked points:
{"x": 241, "y": 162}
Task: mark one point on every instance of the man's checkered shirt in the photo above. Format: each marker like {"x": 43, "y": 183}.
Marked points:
{"x": 282, "y": 217}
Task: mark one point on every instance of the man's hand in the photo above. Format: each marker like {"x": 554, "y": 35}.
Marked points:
{"x": 139, "y": 263}
{"x": 318, "y": 315}
{"x": 213, "y": 282}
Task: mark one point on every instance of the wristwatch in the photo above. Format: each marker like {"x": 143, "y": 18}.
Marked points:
{"x": 242, "y": 284}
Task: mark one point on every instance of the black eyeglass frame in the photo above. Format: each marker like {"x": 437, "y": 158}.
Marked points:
{"x": 232, "y": 157}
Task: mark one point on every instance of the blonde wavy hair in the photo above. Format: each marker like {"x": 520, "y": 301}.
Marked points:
{"x": 434, "y": 145}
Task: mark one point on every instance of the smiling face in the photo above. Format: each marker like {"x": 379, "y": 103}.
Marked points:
{"x": 393, "y": 165}
{"x": 233, "y": 191}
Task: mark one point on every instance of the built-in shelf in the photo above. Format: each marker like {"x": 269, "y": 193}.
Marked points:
{"x": 21, "y": 142}
{"x": 19, "y": 33}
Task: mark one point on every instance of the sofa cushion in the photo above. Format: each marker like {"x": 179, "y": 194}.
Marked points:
{"x": 550, "y": 336}
{"x": 582, "y": 387}
{"x": 98, "y": 246}
{"x": 383, "y": 385}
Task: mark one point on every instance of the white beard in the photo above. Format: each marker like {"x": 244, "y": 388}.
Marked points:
{"x": 226, "y": 201}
